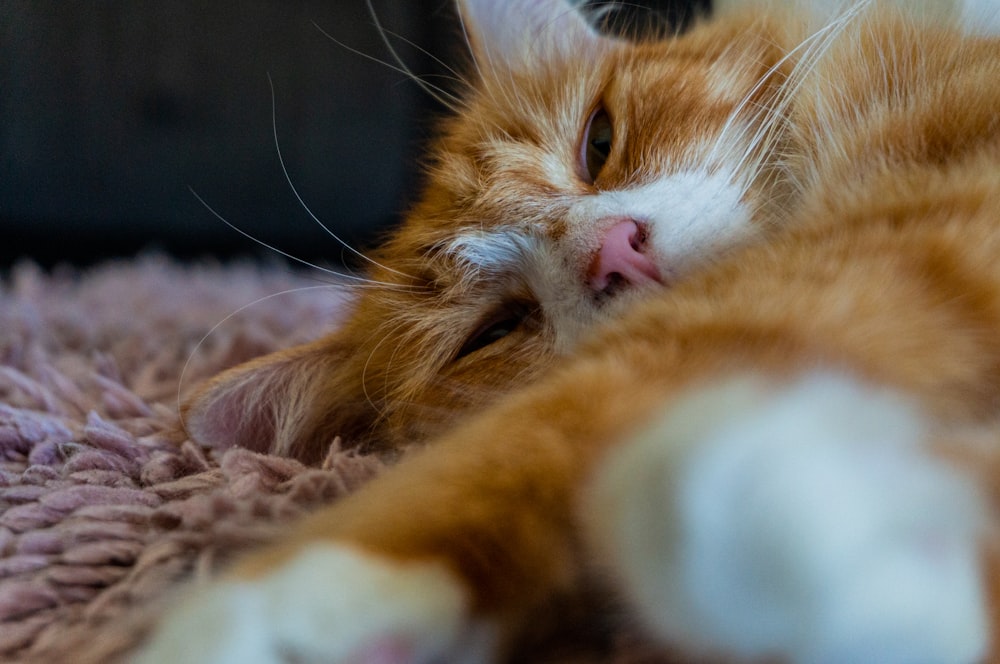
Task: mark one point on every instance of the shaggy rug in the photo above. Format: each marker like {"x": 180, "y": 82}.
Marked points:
{"x": 105, "y": 507}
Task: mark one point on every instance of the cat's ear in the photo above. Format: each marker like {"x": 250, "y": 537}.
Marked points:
{"x": 517, "y": 33}
{"x": 289, "y": 403}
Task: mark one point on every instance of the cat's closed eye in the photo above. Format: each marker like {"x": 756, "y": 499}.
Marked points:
{"x": 596, "y": 145}
{"x": 498, "y": 325}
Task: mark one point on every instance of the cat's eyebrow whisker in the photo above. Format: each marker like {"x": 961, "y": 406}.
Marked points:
{"x": 341, "y": 275}
{"x": 500, "y": 92}
{"x": 813, "y": 46}
{"x": 759, "y": 148}
{"x": 443, "y": 97}
{"x": 500, "y": 84}
{"x": 540, "y": 31}
{"x": 806, "y": 66}
{"x": 455, "y": 77}
{"x": 364, "y": 284}
{"x": 468, "y": 46}
{"x": 298, "y": 197}
{"x": 770, "y": 119}
{"x": 479, "y": 66}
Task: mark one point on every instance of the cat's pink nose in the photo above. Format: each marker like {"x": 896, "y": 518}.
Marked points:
{"x": 622, "y": 259}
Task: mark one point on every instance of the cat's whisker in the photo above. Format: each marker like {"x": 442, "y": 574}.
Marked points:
{"x": 440, "y": 95}
{"x": 302, "y": 203}
{"x": 468, "y": 46}
{"x": 768, "y": 121}
{"x": 770, "y": 131}
{"x": 352, "y": 279}
{"x": 813, "y": 46}
{"x": 476, "y": 65}
{"x": 764, "y": 122}
{"x": 454, "y": 75}
{"x": 489, "y": 74}
{"x": 443, "y": 97}
{"x": 759, "y": 150}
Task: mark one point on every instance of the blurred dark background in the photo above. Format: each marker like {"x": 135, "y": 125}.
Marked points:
{"x": 112, "y": 112}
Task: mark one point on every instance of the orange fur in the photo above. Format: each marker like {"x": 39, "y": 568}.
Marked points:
{"x": 880, "y": 227}
{"x": 390, "y": 377}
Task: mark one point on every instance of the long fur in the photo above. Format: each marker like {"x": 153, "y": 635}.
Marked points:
{"x": 849, "y": 279}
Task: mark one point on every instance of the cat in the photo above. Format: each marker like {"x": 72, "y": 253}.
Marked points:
{"x": 484, "y": 285}
{"x": 708, "y": 323}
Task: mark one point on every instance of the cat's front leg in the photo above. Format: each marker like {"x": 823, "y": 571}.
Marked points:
{"x": 326, "y": 602}
{"x": 439, "y": 559}
{"x": 806, "y": 520}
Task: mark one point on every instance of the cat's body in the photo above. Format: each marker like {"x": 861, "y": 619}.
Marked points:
{"x": 772, "y": 299}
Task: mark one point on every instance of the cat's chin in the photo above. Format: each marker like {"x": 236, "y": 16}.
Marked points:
{"x": 611, "y": 307}
{"x": 619, "y": 297}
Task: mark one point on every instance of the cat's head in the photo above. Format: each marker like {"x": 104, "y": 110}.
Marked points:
{"x": 577, "y": 173}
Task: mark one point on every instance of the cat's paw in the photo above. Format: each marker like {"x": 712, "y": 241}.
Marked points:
{"x": 329, "y": 604}
{"x": 807, "y": 521}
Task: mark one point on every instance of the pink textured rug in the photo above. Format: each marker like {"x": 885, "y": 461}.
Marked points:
{"x": 105, "y": 508}
{"x": 103, "y": 505}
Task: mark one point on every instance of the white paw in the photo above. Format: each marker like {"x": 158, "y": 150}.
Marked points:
{"x": 805, "y": 522}
{"x": 329, "y": 604}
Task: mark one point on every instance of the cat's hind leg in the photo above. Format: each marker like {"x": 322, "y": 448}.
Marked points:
{"x": 806, "y": 520}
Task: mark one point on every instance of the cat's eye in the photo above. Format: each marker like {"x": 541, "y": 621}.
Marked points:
{"x": 496, "y": 326}
{"x": 596, "y": 145}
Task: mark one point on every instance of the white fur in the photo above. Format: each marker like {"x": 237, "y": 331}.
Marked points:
{"x": 512, "y": 34}
{"x": 328, "y": 604}
{"x": 805, "y": 521}
{"x": 691, "y": 216}
{"x": 980, "y": 17}
{"x": 501, "y": 250}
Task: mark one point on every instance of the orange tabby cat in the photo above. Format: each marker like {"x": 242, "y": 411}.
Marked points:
{"x": 743, "y": 289}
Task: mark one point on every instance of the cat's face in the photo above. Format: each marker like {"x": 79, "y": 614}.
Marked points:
{"x": 577, "y": 174}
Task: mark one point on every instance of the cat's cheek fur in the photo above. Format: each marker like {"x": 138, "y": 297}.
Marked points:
{"x": 807, "y": 521}
{"x": 328, "y": 603}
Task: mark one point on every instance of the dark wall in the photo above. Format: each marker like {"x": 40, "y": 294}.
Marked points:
{"x": 110, "y": 111}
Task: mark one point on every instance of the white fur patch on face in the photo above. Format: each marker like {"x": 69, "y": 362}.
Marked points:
{"x": 691, "y": 215}
{"x": 496, "y": 251}
{"x": 330, "y": 604}
{"x": 981, "y": 17}
{"x": 805, "y": 521}
{"x": 518, "y": 34}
